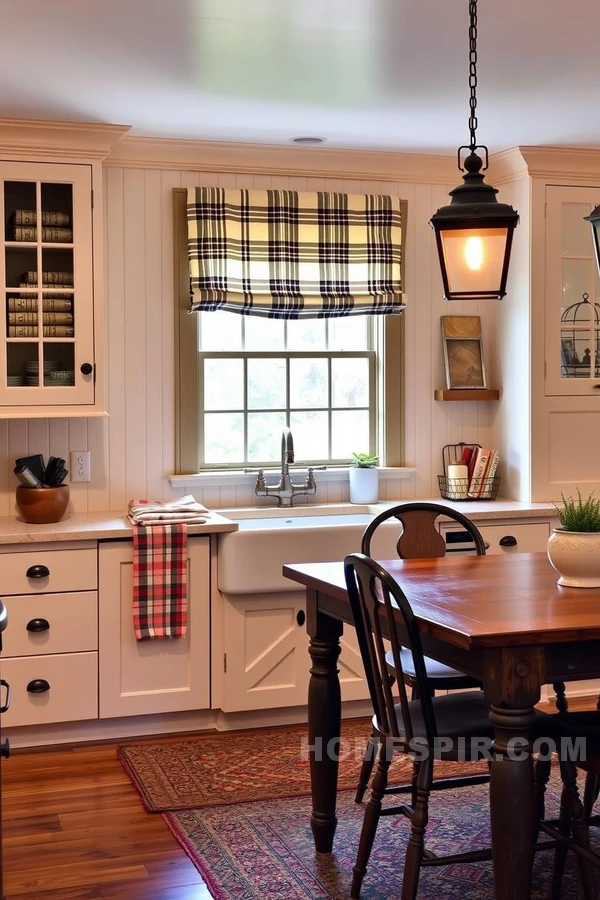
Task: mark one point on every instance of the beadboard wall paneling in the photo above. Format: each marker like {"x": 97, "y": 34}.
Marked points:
{"x": 132, "y": 451}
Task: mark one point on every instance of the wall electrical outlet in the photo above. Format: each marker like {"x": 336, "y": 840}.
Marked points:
{"x": 80, "y": 465}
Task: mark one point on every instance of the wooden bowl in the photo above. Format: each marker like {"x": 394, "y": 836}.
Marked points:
{"x": 41, "y": 506}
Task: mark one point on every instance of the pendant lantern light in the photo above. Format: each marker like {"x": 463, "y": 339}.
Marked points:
{"x": 474, "y": 232}
{"x": 594, "y": 220}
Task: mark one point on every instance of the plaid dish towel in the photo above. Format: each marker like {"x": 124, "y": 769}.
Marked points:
{"x": 159, "y": 581}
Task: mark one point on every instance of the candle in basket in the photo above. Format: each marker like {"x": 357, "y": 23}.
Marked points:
{"x": 458, "y": 481}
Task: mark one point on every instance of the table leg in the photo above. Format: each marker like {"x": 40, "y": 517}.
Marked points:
{"x": 324, "y": 721}
{"x": 512, "y": 803}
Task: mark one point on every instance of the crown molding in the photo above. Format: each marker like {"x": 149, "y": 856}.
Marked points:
{"x": 573, "y": 165}
{"x": 46, "y": 138}
{"x": 270, "y": 159}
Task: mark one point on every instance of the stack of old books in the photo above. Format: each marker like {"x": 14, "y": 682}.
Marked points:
{"x": 56, "y": 226}
{"x": 482, "y": 465}
{"x": 57, "y": 307}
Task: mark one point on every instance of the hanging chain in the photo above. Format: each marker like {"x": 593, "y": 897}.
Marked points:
{"x": 473, "y": 72}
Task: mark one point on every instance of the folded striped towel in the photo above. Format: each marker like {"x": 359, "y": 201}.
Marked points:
{"x": 184, "y": 509}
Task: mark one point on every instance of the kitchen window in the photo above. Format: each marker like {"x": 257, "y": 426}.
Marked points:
{"x": 336, "y": 382}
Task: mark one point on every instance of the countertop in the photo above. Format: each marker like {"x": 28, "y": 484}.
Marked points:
{"x": 90, "y": 527}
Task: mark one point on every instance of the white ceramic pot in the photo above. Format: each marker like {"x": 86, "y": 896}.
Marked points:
{"x": 576, "y": 557}
{"x": 364, "y": 484}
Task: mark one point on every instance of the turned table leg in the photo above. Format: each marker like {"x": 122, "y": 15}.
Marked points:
{"x": 324, "y": 721}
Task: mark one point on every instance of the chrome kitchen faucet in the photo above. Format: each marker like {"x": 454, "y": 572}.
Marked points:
{"x": 285, "y": 490}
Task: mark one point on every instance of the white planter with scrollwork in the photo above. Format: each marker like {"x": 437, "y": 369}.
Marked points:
{"x": 576, "y": 557}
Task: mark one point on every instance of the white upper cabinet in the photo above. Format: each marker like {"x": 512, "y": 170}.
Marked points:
{"x": 48, "y": 354}
{"x": 572, "y": 294}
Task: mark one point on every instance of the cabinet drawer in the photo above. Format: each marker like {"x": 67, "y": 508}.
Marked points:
{"x": 58, "y": 623}
{"x": 50, "y": 571}
{"x": 71, "y": 695}
{"x": 529, "y": 538}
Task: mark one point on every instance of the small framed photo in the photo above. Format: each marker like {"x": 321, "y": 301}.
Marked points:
{"x": 463, "y": 352}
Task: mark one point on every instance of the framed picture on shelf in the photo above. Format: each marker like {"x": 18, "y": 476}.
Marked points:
{"x": 463, "y": 352}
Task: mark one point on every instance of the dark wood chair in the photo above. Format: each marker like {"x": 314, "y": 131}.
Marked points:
{"x": 575, "y": 817}
{"x": 420, "y": 538}
{"x": 426, "y": 728}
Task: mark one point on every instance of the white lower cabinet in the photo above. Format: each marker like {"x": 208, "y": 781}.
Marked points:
{"x": 266, "y": 661}
{"x": 45, "y": 689}
{"x": 156, "y": 676}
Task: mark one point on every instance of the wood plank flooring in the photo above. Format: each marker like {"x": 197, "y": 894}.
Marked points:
{"x": 75, "y": 829}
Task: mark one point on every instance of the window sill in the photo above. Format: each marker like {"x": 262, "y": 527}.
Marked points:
{"x": 235, "y": 477}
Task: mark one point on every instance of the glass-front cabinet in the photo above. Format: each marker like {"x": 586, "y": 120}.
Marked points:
{"x": 47, "y": 354}
{"x": 572, "y": 293}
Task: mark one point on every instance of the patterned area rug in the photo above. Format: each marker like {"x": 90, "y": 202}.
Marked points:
{"x": 264, "y": 851}
{"x": 241, "y": 767}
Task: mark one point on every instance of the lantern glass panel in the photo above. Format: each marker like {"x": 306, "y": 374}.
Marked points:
{"x": 474, "y": 258}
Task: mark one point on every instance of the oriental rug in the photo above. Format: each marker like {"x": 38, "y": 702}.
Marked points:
{"x": 241, "y": 767}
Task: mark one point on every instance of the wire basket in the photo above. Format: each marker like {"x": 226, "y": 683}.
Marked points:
{"x": 459, "y": 488}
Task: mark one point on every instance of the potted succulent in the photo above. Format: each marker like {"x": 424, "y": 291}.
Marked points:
{"x": 364, "y": 478}
{"x": 574, "y": 547}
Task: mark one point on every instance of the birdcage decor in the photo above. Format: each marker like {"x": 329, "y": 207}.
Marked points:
{"x": 580, "y": 339}
{"x": 460, "y": 481}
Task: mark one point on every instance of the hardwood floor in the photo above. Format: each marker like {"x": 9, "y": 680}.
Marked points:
{"x": 75, "y": 829}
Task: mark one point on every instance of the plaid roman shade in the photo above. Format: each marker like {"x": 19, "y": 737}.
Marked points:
{"x": 291, "y": 255}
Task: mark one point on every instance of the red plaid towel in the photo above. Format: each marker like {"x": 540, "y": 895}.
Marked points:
{"x": 159, "y": 581}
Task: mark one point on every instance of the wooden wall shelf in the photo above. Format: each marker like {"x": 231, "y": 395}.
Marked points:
{"x": 471, "y": 394}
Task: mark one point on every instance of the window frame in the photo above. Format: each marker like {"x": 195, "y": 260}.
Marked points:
{"x": 386, "y": 415}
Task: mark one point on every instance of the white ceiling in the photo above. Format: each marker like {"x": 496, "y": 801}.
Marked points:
{"x": 362, "y": 73}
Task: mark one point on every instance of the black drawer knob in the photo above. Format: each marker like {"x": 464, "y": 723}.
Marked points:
{"x": 86, "y": 368}
{"x": 508, "y": 541}
{"x": 38, "y": 686}
{"x": 301, "y": 617}
{"x": 5, "y": 748}
{"x": 37, "y": 625}
{"x": 6, "y": 704}
{"x": 38, "y": 572}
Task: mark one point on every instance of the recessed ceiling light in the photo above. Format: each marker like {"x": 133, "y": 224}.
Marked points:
{"x": 308, "y": 139}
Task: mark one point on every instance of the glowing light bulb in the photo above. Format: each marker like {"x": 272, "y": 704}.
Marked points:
{"x": 474, "y": 253}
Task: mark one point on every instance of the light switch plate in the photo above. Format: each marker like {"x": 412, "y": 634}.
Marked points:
{"x": 80, "y": 465}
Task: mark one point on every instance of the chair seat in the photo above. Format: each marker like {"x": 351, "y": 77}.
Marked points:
{"x": 443, "y": 677}
{"x": 461, "y": 716}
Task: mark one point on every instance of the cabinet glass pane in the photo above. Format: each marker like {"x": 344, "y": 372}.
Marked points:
{"x": 576, "y": 353}
{"x": 576, "y": 232}
{"x": 577, "y": 279}
{"x": 21, "y": 267}
{"x": 19, "y": 208}
{"x": 57, "y": 213}
{"x": 22, "y": 363}
{"x": 59, "y": 363}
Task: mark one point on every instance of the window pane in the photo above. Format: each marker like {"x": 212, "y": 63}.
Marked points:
{"x": 263, "y": 334}
{"x": 264, "y": 436}
{"x": 349, "y": 333}
{"x": 266, "y": 384}
{"x": 223, "y": 384}
{"x": 220, "y": 331}
{"x": 223, "y": 438}
{"x": 350, "y": 381}
{"x": 350, "y": 431}
{"x": 308, "y": 383}
{"x": 310, "y": 431}
{"x": 308, "y": 334}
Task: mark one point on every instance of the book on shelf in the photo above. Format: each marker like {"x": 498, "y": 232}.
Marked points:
{"x": 49, "y": 235}
{"x": 49, "y": 279}
{"x": 22, "y": 331}
{"x": 58, "y": 331}
{"x": 22, "y": 318}
{"x": 50, "y": 303}
{"x": 482, "y": 459}
{"x": 49, "y": 217}
{"x": 57, "y": 318}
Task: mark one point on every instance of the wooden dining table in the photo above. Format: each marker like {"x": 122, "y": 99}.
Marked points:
{"x": 503, "y": 619}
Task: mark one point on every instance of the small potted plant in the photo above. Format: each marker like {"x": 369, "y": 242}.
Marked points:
{"x": 364, "y": 478}
{"x": 574, "y": 547}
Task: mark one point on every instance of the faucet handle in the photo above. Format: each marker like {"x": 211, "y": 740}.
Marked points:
{"x": 316, "y": 468}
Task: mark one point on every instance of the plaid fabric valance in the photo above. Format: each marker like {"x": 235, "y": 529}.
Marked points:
{"x": 290, "y": 255}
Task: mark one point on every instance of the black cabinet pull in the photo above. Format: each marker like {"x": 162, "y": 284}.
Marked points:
{"x": 37, "y": 572}
{"x": 5, "y": 748}
{"x": 5, "y": 706}
{"x": 38, "y": 686}
{"x": 301, "y": 617}
{"x": 36, "y": 625}
{"x": 86, "y": 368}
{"x": 508, "y": 541}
